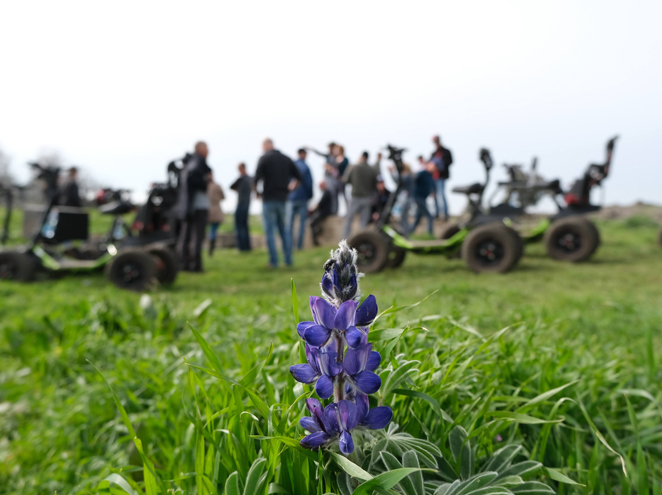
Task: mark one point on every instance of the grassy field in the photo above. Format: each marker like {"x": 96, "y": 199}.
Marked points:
{"x": 593, "y": 329}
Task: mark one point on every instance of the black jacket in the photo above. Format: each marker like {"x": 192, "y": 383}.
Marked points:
{"x": 325, "y": 206}
{"x": 447, "y": 159}
{"x": 69, "y": 195}
{"x": 275, "y": 171}
{"x": 193, "y": 178}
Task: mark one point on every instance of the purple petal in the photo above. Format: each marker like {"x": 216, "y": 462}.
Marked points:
{"x": 374, "y": 360}
{"x": 345, "y": 315}
{"x": 356, "y": 359}
{"x": 324, "y": 387}
{"x": 348, "y": 414}
{"x": 317, "y": 412}
{"x": 362, "y": 406}
{"x": 351, "y": 363}
{"x": 314, "y": 440}
{"x": 310, "y": 424}
{"x": 316, "y": 335}
{"x": 327, "y": 284}
{"x": 336, "y": 280}
{"x": 304, "y": 373}
{"x": 354, "y": 336}
{"x": 350, "y": 390}
{"x": 331, "y": 346}
{"x": 367, "y": 382}
{"x": 312, "y": 355}
{"x": 346, "y": 443}
{"x": 378, "y": 417}
{"x": 331, "y": 417}
{"x": 324, "y": 313}
{"x": 301, "y": 327}
{"x": 314, "y": 406}
{"x": 328, "y": 364}
{"x": 367, "y": 312}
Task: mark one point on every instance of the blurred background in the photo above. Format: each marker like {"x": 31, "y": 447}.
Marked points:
{"x": 121, "y": 89}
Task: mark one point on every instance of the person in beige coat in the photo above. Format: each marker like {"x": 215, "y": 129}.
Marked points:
{"x": 215, "y": 195}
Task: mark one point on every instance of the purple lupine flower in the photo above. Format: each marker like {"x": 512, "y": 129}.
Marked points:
{"x": 321, "y": 368}
{"x": 341, "y": 362}
{"x": 355, "y": 366}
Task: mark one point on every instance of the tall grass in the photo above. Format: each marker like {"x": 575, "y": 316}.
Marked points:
{"x": 567, "y": 398}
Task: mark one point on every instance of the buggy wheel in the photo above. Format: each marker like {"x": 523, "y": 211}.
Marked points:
{"x": 594, "y": 228}
{"x": 571, "y": 239}
{"x": 167, "y": 265}
{"x": 449, "y": 231}
{"x": 21, "y": 267}
{"x": 396, "y": 256}
{"x": 491, "y": 248}
{"x": 518, "y": 240}
{"x": 372, "y": 249}
{"x": 131, "y": 270}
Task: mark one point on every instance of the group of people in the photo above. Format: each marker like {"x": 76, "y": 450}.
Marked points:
{"x": 286, "y": 189}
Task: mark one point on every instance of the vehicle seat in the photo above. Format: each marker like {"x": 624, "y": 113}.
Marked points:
{"x": 116, "y": 208}
{"x": 475, "y": 188}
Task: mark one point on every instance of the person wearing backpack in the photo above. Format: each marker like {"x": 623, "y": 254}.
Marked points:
{"x": 297, "y": 201}
{"x": 442, "y": 159}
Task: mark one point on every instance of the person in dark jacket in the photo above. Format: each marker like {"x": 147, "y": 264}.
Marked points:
{"x": 278, "y": 176}
{"x": 318, "y": 214}
{"x": 297, "y": 201}
{"x": 442, "y": 159}
{"x": 69, "y": 195}
{"x": 380, "y": 199}
{"x": 192, "y": 208}
{"x": 244, "y": 188}
{"x": 423, "y": 187}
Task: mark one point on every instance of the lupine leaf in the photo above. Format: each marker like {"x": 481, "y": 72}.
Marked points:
{"x": 349, "y": 467}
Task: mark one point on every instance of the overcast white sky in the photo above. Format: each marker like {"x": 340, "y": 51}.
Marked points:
{"x": 121, "y": 88}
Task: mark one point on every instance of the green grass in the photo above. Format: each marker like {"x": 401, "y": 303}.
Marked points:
{"x": 594, "y": 327}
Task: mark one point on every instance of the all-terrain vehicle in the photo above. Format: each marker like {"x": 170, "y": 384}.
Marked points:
{"x": 133, "y": 256}
{"x": 568, "y": 235}
{"x": 492, "y": 247}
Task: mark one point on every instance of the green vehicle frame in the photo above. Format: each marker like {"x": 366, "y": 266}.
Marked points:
{"x": 568, "y": 235}
{"x": 61, "y": 246}
{"x": 489, "y": 247}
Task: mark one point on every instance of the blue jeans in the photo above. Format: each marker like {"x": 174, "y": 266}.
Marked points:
{"x": 241, "y": 228}
{"x": 441, "y": 197}
{"x": 421, "y": 211}
{"x": 297, "y": 207}
{"x": 273, "y": 213}
{"x": 213, "y": 228}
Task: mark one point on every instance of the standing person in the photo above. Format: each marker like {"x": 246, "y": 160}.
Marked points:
{"x": 423, "y": 187}
{"x": 363, "y": 179}
{"x": 215, "y": 194}
{"x": 340, "y": 169}
{"x": 321, "y": 212}
{"x": 406, "y": 198}
{"x": 297, "y": 201}
{"x": 279, "y": 176}
{"x": 69, "y": 196}
{"x": 244, "y": 187}
{"x": 442, "y": 159}
{"x": 192, "y": 208}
